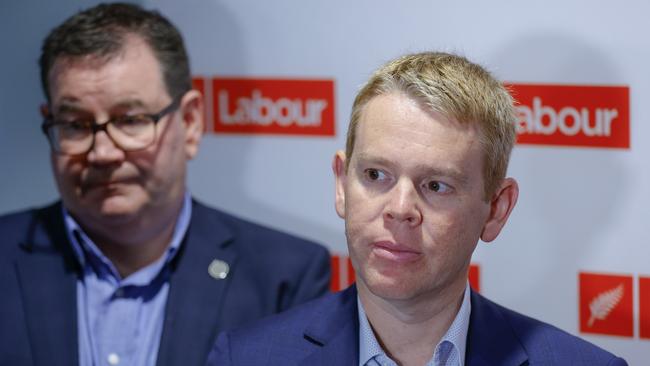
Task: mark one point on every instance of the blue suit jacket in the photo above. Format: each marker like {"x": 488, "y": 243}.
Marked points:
{"x": 269, "y": 272}
{"x": 325, "y": 332}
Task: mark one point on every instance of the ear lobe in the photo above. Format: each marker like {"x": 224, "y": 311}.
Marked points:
{"x": 192, "y": 113}
{"x": 501, "y": 205}
{"x": 340, "y": 176}
{"x": 45, "y": 110}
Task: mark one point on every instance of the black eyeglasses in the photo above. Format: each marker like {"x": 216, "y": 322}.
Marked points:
{"x": 129, "y": 133}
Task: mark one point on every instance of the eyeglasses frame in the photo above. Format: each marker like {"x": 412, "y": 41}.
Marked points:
{"x": 95, "y": 127}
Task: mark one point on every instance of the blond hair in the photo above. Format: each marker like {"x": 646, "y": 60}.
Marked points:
{"x": 456, "y": 88}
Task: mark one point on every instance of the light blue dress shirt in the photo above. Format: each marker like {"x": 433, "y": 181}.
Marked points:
{"x": 120, "y": 320}
{"x": 450, "y": 351}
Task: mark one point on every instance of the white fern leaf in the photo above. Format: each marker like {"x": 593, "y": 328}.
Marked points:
{"x": 603, "y": 304}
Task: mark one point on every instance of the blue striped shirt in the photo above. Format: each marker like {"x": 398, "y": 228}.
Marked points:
{"x": 120, "y": 320}
{"x": 450, "y": 351}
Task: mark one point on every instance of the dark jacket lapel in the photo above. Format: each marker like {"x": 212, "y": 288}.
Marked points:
{"x": 195, "y": 298}
{"x": 47, "y": 274}
{"x": 334, "y": 329}
{"x": 490, "y": 340}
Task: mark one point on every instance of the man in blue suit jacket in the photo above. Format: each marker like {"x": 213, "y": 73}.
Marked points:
{"x": 128, "y": 269}
{"x": 423, "y": 178}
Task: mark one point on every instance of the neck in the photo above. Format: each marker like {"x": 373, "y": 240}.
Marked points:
{"x": 133, "y": 244}
{"x": 409, "y": 330}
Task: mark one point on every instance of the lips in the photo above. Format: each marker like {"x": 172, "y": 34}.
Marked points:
{"x": 106, "y": 184}
{"x": 395, "y": 252}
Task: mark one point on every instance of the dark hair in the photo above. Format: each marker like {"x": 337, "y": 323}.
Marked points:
{"x": 101, "y": 32}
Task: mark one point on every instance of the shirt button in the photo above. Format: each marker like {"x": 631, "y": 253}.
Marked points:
{"x": 113, "y": 359}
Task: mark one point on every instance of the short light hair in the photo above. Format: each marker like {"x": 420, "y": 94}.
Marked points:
{"x": 459, "y": 90}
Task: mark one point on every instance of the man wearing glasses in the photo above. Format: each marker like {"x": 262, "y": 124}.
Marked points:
{"x": 128, "y": 269}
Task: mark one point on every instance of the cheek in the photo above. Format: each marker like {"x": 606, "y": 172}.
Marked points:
{"x": 66, "y": 170}
{"x": 455, "y": 232}
{"x": 361, "y": 208}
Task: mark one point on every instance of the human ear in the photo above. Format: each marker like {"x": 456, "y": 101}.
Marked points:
{"x": 501, "y": 205}
{"x": 340, "y": 176}
{"x": 192, "y": 113}
{"x": 45, "y": 110}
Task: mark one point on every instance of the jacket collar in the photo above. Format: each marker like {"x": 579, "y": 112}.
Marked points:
{"x": 47, "y": 273}
{"x": 195, "y": 297}
{"x": 334, "y": 328}
{"x": 491, "y": 340}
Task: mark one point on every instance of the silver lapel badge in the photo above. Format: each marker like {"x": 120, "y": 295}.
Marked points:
{"x": 218, "y": 269}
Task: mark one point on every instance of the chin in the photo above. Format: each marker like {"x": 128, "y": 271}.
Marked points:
{"x": 116, "y": 209}
{"x": 119, "y": 206}
{"x": 391, "y": 288}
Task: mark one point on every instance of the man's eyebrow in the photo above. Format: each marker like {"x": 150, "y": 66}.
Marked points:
{"x": 129, "y": 104}
{"x": 68, "y": 105}
{"x": 367, "y": 158}
{"x": 454, "y": 174}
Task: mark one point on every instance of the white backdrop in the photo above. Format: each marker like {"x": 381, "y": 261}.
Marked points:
{"x": 581, "y": 209}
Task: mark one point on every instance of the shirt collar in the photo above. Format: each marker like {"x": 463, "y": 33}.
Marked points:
{"x": 89, "y": 255}
{"x": 456, "y": 334}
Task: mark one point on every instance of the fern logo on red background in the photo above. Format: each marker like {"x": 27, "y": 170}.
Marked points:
{"x": 573, "y": 115}
{"x": 606, "y": 304}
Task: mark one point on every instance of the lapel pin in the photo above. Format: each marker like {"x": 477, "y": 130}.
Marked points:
{"x": 218, "y": 269}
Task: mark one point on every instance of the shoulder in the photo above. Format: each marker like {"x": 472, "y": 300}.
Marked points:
{"x": 256, "y": 237}
{"x": 545, "y": 343}
{"x": 20, "y": 228}
{"x": 333, "y": 307}
{"x": 289, "y": 336}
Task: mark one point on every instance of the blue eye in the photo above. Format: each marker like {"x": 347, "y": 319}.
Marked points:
{"x": 374, "y": 174}
{"x": 437, "y": 187}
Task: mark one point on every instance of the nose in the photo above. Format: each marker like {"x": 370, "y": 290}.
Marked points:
{"x": 402, "y": 206}
{"x": 104, "y": 150}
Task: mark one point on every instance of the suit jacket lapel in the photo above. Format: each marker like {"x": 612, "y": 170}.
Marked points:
{"x": 335, "y": 331}
{"x": 47, "y": 273}
{"x": 490, "y": 340}
{"x": 195, "y": 298}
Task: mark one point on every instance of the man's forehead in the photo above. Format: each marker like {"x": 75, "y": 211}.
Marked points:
{"x": 131, "y": 73}
{"x": 131, "y": 45}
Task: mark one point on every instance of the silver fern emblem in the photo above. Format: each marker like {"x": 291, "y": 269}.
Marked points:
{"x": 603, "y": 304}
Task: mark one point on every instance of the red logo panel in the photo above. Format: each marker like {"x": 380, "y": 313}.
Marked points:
{"x": 342, "y": 273}
{"x": 273, "y": 106}
{"x": 606, "y": 304}
{"x": 475, "y": 277}
{"x": 573, "y": 115}
{"x": 644, "y": 307}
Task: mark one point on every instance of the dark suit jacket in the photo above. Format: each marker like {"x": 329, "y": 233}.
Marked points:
{"x": 269, "y": 272}
{"x": 325, "y": 332}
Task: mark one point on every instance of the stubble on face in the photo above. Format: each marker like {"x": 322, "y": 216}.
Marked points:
{"x": 399, "y": 259}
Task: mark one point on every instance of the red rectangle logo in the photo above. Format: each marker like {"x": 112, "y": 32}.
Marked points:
{"x": 342, "y": 272}
{"x": 475, "y": 277}
{"x": 273, "y": 106}
{"x": 572, "y": 115}
{"x": 606, "y": 304}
